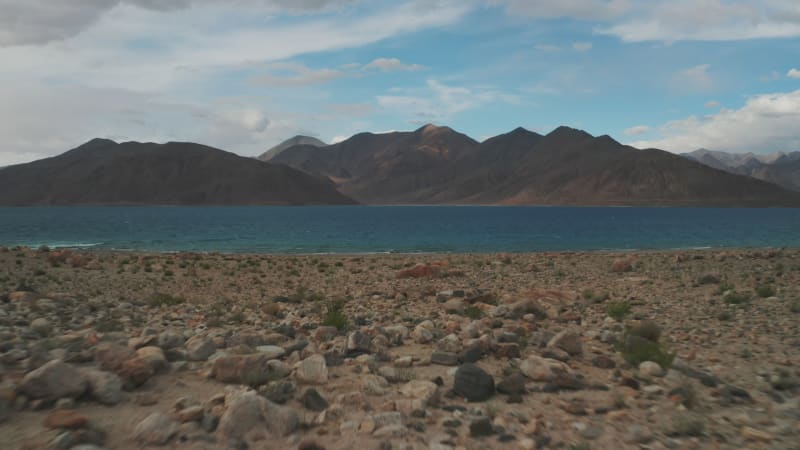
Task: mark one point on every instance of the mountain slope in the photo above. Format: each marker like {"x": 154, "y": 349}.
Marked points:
{"x": 779, "y": 168}
{"x": 104, "y": 172}
{"x": 567, "y": 166}
{"x": 383, "y": 168}
{"x": 291, "y": 142}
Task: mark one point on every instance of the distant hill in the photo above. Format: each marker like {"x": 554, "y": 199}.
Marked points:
{"x": 291, "y": 142}
{"x": 780, "y": 168}
{"x": 103, "y": 172}
{"x": 437, "y": 165}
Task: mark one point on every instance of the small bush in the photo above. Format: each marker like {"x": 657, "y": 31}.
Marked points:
{"x": 473, "y": 312}
{"x": 618, "y": 310}
{"x": 335, "y": 316}
{"x": 736, "y": 298}
{"x": 724, "y": 316}
{"x": 640, "y": 343}
{"x": 766, "y": 290}
{"x": 646, "y": 329}
{"x": 724, "y": 286}
{"x": 794, "y": 306}
{"x": 162, "y": 299}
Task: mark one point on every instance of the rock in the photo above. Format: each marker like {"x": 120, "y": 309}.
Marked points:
{"x": 246, "y": 411}
{"x": 154, "y": 357}
{"x": 358, "y": 343}
{"x": 252, "y": 370}
{"x": 54, "y": 380}
{"x": 105, "y": 387}
{"x": 481, "y": 427}
{"x": 191, "y": 414}
{"x": 313, "y": 401}
{"x": 622, "y": 265}
{"x": 135, "y": 372}
{"x": 278, "y": 392}
{"x": 426, "y": 391}
{"x": 111, "y": 357}
{"x": 450, "y": 343}
{"x": 312, "y": 370}
{"x": 513, "y": 384}
{"x": 472, "y": 354}
{"x": 155, "y": 429}
{"x": 507, "y": 350}
{"x": 709, "y": 278}
{"x": 650, "y": 369}
{"x": 199, "y": 348}
{"x": 454, "y": 306}
{"x": 310, "y": 445}
{"x": 567, "y": 340}
{"x": 638, "y": 434}
{"x": 374, "y": 384}
{"x": 41, "y": 326}
{"x": 169, "y": 339}
{"x": 444, "y": 358}
{"x": 473, "y": 383}
{"x": 542, "y": 369}
{"x": 752, "y": 434}
{"x": 325, "y": 333}
{"x": 603, "y": 362}
{"x": 271, "y": 351}
{"x": 64, "y": 418}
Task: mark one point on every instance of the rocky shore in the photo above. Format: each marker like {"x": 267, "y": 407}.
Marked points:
{"x": 646, "y": 350}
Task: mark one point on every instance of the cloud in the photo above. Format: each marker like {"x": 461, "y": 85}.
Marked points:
{"x": 707, "y": 20}
{"x": 765, "y": 123}
{"x": 793, "y": 73}
{"x": 637, "y": 130}
{"x": 296, "y": 74}
{"x": 439, "y": 102}
{"x": 694, "y": 78}
{"x": 577, "y": 9}
{"x": 711, "y": 104}
{"x": 40, "y": 21}
{"x": 582, "y": 46}
{"x": 391, "y": 65}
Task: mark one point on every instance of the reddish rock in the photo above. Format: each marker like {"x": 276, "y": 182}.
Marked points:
{"x": 422, "y": 271}
{"x": 622, "y": 265}
{"x": 111, "y": 357}
{"x": 135, "y": 372}
{"x": 62, "y": 418}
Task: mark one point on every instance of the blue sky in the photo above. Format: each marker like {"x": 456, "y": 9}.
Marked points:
{"x": 244, "y": 75}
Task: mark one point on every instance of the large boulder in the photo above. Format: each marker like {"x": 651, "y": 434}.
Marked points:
{"x": 312, "y": 370}
{"x": 155, "y": 429}
{"x": 473, "y": 383}
{"x": 105, "y": 387}
{"x": 54, "y": 380}
{"x": 246, "y": 411}
{"x": 199, "y": 348}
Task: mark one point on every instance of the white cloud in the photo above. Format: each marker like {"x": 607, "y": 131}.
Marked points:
{"x": 337, "y": 139}
{"x": 296, "y": 74}
{"x": 708, "y": 20}
{"x": 711, "y": 104}
{"x": 637, "y": 130}
{"x": 582, "y": 46}
{"x": 765, "y": 123}
{"x": 579, "y": 9}
{"x": 793, "y": 73}
{"x": 391, "y": 65}
{"x": 438, "y": 102}
{"x": 694, "y": 78}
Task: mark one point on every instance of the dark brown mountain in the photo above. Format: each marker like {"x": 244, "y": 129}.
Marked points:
{"x": 384, "y": 168}
{"x": 565, "y": 167}
{"x": 177, "y": 173}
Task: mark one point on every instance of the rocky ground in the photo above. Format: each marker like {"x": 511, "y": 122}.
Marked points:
{"x": 652, "y": 350}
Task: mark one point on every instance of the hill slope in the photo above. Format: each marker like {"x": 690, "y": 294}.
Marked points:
{"x": 291, "y": 142}
{"x": 104, "y": 172}
{"x": 565, "y": 167}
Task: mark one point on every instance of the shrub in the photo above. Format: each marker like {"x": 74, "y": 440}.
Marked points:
{"x": 473, "y": 312}
{"x": 335, "y": 316}
{"x": 646, "y": 329}
{"x": 794, "y": 306}
{"x": 640, "y": 343}
{"x": 618, "y": 310}
{"x": 736, "y": 298}
{"x": 766, "y": 290}
{"x": 688, "y": 424}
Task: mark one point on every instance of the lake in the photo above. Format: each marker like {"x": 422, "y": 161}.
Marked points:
{"x": 400, "y": 229}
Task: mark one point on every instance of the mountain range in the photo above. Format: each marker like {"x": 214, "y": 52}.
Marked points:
{"x": 437, "y": 165}
{"x": 103, "y": 172}
{"x": 780, "y": 168}
{"x": 430, "y": 165}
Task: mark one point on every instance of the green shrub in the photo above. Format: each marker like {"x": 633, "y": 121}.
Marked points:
{"x": 335, "y": 316}
{"x": 473, "y": 312}
{"x": 766, "y": 290}
{"x": 640, "y": 343}
{"x": 618, "y": 310}
{"x": 646, "y": 329}
{"x": 736, "y": 298}
{"x": 688, "y": 424}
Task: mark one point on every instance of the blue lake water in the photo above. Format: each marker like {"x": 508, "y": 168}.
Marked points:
{"x": 401, "y": 229}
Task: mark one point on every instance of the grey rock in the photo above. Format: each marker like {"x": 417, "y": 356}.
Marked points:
{"x": 155, "y": 429}
{"x": 169, "y": 339}
{"x": 313, "y": 400}
{"x": 444, "y": 358}
{"x": 567, "y": 340}
{"x": 54, "y": 380}
{"x": 271, "y": 351}
{"x": 105, "y": 387}
{"x": 473, "y": 383}
{"x": 199, "y": 348}
{"x": 312, "y": 370}
{"x": 247, "y": 410}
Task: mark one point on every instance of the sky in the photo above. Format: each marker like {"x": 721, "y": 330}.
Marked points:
{"x": 243, "y": 75}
